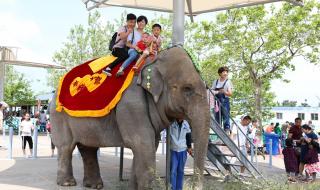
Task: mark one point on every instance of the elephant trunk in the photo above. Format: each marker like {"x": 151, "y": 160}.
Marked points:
{"x": 200, "y": 121}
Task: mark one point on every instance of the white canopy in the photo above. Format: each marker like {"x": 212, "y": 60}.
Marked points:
{"x": 179, "y": 9}
{"x": 194, "y": 6}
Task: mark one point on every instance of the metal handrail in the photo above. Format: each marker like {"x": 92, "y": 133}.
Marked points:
{"x": 233, "y": 122}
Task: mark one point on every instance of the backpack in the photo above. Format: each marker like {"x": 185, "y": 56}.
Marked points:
{"x": 113, "y": 41}
{"x": 114, "y": 37}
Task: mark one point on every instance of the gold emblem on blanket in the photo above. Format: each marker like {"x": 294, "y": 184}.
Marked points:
{"x": 89, "y": 82}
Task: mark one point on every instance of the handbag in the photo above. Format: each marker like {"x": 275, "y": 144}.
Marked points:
{"x": 297, "y": 150}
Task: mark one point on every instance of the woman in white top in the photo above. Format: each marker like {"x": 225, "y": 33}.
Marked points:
{"x": 26, "y": 128}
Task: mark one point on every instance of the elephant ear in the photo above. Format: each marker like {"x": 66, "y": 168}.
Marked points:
{"x": 151, "y": 79}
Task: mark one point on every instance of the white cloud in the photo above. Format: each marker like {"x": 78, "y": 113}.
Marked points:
{"x": 303, "y": 83}
{"x": 8, "y": 2}
{"x": 15, "y": 31}
{"x": 21, "y": 33}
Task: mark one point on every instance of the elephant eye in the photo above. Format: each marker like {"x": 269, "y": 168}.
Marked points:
{"x": 188, "y": 91}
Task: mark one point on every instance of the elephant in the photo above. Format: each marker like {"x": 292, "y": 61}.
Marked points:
{"x": 167, "y": 88}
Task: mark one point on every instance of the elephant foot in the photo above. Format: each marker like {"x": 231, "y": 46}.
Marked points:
{"x": 66, "y": 181}
{"x": 93, "y": 183}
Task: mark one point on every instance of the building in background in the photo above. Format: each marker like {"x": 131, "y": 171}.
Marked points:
{"x": 283, "y": 114}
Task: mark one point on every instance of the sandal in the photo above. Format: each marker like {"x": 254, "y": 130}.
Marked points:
{"x": 290, "y": 179}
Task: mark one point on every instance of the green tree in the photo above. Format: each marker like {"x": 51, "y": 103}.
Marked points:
{"x": 17, "y": 90}
{"x": 289, "y": 103}
{"x": 83, "y": 43}
{"x": 259, "y": 44}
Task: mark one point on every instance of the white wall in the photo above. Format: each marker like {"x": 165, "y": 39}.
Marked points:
{"x": 289, "y": 114}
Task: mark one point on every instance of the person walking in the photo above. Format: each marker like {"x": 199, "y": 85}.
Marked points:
{"x": 26, "y": 128}
{"x": 43, "y": 121}
{"x": 253, "y": 130}
{"x": 312, "y": 161}
{"x": 295, "y": 133}
{"x": 180, "y": 134}
{"x": 49, "y": 127}
{"x": 290, "y": 160}
{"x": 3, "y": 106}
{"x": 244, "y": 127}
{"x": 284, "y": 134}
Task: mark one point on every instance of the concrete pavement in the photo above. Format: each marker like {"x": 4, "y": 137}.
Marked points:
{"x": 40, "y": 173}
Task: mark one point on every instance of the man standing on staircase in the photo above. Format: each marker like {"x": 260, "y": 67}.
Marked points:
{"x": 223, "y": 90}
{"x": 243, "y": 130}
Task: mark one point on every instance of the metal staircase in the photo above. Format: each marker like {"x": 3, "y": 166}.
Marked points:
{"x": 224, "y": 156}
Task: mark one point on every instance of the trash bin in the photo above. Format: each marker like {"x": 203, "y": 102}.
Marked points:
{"x": 275, "y": 143}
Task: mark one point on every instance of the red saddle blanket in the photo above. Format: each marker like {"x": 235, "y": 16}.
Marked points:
{"x": 87, "y": 92}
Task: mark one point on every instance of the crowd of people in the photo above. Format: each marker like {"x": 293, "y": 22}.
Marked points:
{"x": 26, "y": 127}
{"x": 300, "y": 151}
{"x": 300, "y": 148}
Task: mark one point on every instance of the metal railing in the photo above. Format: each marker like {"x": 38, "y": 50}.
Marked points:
{"x": 252, "y": 145}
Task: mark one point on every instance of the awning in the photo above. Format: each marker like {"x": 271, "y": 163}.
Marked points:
{"x": 194, "y": 6}
{"x": 179, "y": 8}
{"x": 33, "y": 64}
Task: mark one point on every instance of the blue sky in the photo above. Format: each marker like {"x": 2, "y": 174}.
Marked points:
{"x": 39, "y": 28}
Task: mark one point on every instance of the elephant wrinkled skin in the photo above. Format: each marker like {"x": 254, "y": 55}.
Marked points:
{"x": 175, "y": 90}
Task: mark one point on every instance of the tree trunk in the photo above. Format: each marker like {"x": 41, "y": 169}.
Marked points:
{"x": 258, "y": 98}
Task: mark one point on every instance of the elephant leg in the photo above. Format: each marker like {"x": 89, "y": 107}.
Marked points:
{"x": 65, "y": 173}
{"x": 92, "y": 178}
{"x": 144, "y": 166}
{"x": 133, "y": 185}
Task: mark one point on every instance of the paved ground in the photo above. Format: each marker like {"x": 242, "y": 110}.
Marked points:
{"x": 40, "y": 173}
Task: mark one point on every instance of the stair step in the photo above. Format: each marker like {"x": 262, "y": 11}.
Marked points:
{"x": 233, "y": 164}
{"x": 222, "y": 154}
{"x": 218, "y": 144}
{"x": 211, "y": 168}
{"x": 245, "y": 175}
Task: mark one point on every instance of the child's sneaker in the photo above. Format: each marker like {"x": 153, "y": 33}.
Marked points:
{"x": 107, "y": 72}
{"x": 120, "y": 72}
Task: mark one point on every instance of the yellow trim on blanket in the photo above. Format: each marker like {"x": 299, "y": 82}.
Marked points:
{"x": 97, "y": 113}
{"x": 101, "y": 62}
{"x": 58, "y": 104}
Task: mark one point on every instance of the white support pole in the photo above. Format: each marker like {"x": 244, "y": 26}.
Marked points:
{"x": 163, "y": 147}
{"x": 168, "y": 158}
{"x": 3, "y": 133}
{"x": 10, "y": 142}
{"x": 270, "y": 153}
{"x": 35, "y": 142}
{"x": 178, "y": 22}
{"x": 251, "y": 150}
{"x": 116, "y": 151}
{"x": 2, "y": 78}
